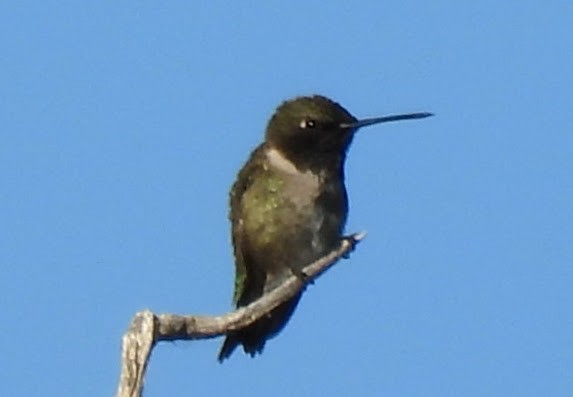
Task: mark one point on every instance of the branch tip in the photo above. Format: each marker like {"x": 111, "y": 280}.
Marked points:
{"x": 147, "y": 328}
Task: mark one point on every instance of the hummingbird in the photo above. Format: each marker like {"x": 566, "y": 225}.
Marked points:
{"x": 288, "y": 206}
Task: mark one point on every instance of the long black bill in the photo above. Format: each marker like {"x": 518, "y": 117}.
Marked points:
{"x": 385, "y": 119}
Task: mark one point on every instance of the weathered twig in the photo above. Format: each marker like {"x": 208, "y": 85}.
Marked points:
{"x": 147, "y": 328}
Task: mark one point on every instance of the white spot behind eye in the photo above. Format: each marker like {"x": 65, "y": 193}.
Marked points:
{"x": 306, "y": 123}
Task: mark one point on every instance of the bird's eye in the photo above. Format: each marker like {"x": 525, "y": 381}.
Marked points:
{"x": 307, "y": 123}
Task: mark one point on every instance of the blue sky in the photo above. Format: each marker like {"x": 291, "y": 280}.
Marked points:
{"x": 124, "y": 123}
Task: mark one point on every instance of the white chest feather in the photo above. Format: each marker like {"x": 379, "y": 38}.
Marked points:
{"x": 302, "y": 188}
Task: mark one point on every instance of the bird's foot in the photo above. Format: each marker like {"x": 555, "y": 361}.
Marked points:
{"x": 302, "y": 276}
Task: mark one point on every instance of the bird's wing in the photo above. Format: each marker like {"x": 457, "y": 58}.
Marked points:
{"x": 248, "y": 173}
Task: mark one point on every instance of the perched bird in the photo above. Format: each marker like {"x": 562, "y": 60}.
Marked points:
{"x": 289, "y": 205}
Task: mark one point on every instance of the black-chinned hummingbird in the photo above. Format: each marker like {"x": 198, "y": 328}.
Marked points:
{"x": 289, "y": 205}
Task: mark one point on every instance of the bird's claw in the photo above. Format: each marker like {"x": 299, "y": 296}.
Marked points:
{"x": 302, "y": 276}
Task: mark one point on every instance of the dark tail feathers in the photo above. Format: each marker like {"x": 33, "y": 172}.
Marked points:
{"x": 254, "y": 336}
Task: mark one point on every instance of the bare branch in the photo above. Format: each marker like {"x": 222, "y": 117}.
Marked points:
{"x": 146, "y": 328}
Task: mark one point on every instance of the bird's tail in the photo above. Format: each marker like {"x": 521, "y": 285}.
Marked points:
{"x": 254, "y": 336}
{"x": 229, "y": 346}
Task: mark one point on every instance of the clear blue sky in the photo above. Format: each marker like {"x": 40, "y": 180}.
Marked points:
{"x": 123, "y": 125}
